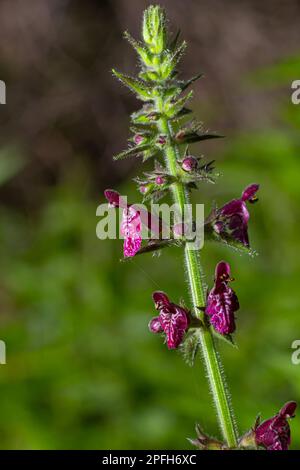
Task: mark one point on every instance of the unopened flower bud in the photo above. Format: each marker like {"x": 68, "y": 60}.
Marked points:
{"x": 189, "y": 163}
{"x": 143, "y": 189}
{"x": 160, "y": 180}
{"x": 161, "y": 140}
{"x": 138, "y": 139}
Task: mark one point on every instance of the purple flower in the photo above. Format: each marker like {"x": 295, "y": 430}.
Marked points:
{"x": 173, "y": 320}
{"x": 232, "y": 219}
{"x": 274, "y": 433}
{"x": 222, "y": 301}
{"x": 131, "y": 225}
{"x": 189, "y": 163}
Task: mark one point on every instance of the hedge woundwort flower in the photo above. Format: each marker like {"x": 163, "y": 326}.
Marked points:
{"x": 173, "y": 320}
{"x": 131, "y": 229}
{"x": 274, "y": 433}
{"x": 222, "y": 301}
{"x": 231, "y": 221}
{"x": 132, "y": 220}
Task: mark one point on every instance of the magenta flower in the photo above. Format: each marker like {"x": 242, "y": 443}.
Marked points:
{"x": 131, "y": 229}
{"x": 274, "y": 433}
{"x": 222, "y": 301}
{"x": 173, "y": 320}
{"x": 232, "y": 219}
{"x": 132, "y": 221}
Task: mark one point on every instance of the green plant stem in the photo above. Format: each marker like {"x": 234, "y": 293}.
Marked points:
{"x": 192, "y": 259}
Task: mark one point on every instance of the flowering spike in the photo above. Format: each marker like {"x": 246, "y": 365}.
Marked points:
{"x": 158, "y": 131}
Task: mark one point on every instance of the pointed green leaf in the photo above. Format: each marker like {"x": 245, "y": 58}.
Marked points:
{"x": 184, "y": 84}
{"x": 141, "y": 89}
{"x": 143, "y": 52}
{"x": 131, "y": 151}
{"x": 175, "y": 108}
{"x": 173, "y": 43}
{"x": 170, "y": 61}
{"x": 192, "y": 137}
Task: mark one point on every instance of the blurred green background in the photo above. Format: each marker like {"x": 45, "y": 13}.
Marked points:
{"x": 82, "y": 369}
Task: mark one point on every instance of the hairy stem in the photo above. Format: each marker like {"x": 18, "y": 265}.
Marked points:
{"x": 213, "y": 365}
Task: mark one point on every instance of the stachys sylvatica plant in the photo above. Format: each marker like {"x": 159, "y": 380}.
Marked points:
{"x": 162, "y": 128}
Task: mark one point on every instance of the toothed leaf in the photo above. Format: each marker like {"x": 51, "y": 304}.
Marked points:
{"x": 142, "y": 90}
{"x": 130, "y": 152}
{"x": 175, "y": 108}
{"x": 171, "y": 60}
{"x": 142, "y": 51}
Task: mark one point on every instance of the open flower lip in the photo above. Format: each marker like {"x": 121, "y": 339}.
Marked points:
{"x": 231, "y": 220}
{"x": 274, "y": 433}
{"x": 173, "y": 320}
{"x": 222, "y": 302}
{"x": 134, "y": 215}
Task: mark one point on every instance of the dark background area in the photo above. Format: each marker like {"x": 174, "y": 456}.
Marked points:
{"x": 82, "y": 370}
